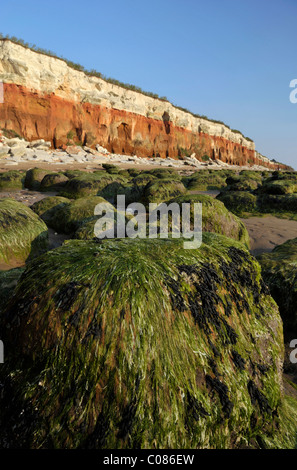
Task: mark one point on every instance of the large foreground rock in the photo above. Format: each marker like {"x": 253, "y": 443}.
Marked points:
{"x": 141, "y": 343}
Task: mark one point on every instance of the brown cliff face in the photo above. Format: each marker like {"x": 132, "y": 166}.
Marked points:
{"x": 34, "y": 115}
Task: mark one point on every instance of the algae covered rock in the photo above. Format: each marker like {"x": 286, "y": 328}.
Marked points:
{"x": 163, "y": 173}
{"x": 162, "y": 190}
{"x": 239, "y": 202}
{"x": 53, "y": 182}
{"x": 47, "y": 208}
{"x": 68, "y": 217}
{"x": 88, "y": 184}
{"x": 215, "y": 217}
{"x": 205, "y": 180}
{"x": 112, "y": 190}
{"x": 34, "y": 178}
{"x": 22, "y": 232}
{"x": 141, "y": 344}
{"x": 279, "y": 270}
{"x": 254, "y": 175}
{"x": 12, "y": 180}
{"x": 280, "y": 186}
{"x": 276, "y": 203}
{"x": 243, "y": 183}
{"x": 8, "y": 283}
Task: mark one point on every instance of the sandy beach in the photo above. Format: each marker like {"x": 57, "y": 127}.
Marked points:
{"x": 268, "y": 232}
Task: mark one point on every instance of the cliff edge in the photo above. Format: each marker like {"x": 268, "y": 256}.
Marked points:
{"x": 46, "y": 98}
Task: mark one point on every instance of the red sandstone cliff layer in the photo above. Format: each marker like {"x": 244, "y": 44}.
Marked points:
{"x": 35, "y": 115}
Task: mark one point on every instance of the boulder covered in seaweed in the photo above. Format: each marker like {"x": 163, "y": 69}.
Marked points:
{"x": 34, "y": 178}
{"x": 67, "y": 217}
{"x": 239, "y": 202}
{"x": 279, "y": 270}
{"x": 161, "y": 190}
{"x": 277, "y": 204}
{"x": 12, "y": 180}
{"x": 142, "y": 344}
{"x": 53, "y": 182}
{"x": 215, "y": 217}
{"x": 46, "y": 208}
{"x": 243, "y": 183}
{"x": 89, "y": 184}
{"x": 22, "y": 233}
{"x": 203, "y": 180}
{"x": 279, "y": 186}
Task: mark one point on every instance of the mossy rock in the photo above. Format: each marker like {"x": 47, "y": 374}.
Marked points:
{"x": 163, "y": 173}
{"x": 201, "y": 181}
{"x": 279, "y": 270}
{"x": 47, "y": 207}
{"x": 162, "y": 190}
{"x": 12, "y": 180}
{"x": 283, "y": 175}
{"x": 125, "y": 174}
{"x": 143, "y": 179}
{"x": 133, "y": 172}
{"x": 112, "y": 190}
{"x": 242, "y": 183}
{"x": 67, "y": 218}
{"x": 268, "y": 203}
{"x": 239, "y": 202}
{"x": 110, "y": 166}
{"x": 73, "y": 173}
{"x": 8, "y": 283}
{"x": 53, "y": 182}
{"x": 22, "y": 233}
{"x": 279, "y": 187}
{"x": 216, "y": 218}
{"x": 142, "y": 344}
{"x": 34, "y": 178}
{"x": 88, "y": 230}
{"x": 254, "y": 175}
{"x": 89, "y": 184}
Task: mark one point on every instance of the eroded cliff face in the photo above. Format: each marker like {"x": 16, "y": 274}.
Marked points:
{"x": 45, "y": 98}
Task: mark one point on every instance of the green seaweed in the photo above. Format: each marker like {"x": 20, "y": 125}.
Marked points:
{"x": 279, "y": 270}
{"x": 216, "y": 218}
{"x": 142, "y": 344}
{"x": 22, "y": 233}
{"x": 12, "y": 180}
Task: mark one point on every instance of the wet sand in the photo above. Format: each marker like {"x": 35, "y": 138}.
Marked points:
{"x": 56, "y": 166}
{"x": 25, "y": 196}
{"x": 268, "y": 232}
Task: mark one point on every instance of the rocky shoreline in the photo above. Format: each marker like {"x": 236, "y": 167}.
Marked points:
{"x": 16, "y": 151}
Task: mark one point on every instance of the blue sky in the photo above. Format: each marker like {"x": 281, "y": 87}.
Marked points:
{"x": 231, "y": 60}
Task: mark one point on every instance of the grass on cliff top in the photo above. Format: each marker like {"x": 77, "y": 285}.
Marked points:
{"x": 142, "y": 344}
